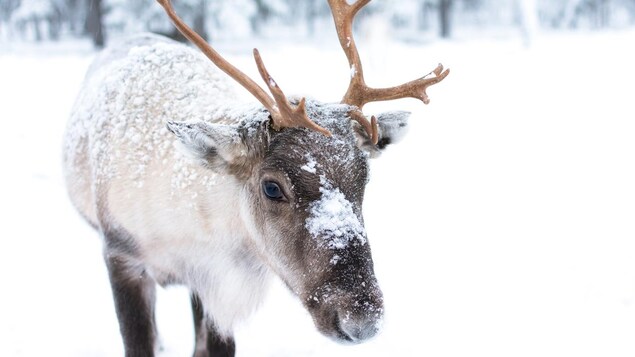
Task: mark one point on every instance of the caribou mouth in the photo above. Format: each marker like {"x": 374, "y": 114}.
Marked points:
{"x": 348, "y": 330}
{"x": 340, "y": 335}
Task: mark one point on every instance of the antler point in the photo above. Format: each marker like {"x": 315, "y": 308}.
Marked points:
{"x": 374, "y": 136}
{"x": 425, "y": 99}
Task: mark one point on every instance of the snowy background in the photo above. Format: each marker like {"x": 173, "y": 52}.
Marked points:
{"x": 503, "y": 225}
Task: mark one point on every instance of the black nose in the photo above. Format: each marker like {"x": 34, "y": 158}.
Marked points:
{"x": 359, "y": 327}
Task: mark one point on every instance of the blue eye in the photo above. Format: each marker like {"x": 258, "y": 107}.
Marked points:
{"x": 272, "y": 191}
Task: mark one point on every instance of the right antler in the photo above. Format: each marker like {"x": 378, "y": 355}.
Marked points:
{"x": 283, "y": 113}
{"x": 358, "y": 93}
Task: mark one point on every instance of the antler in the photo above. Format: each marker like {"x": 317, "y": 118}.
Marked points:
{"x": 283, "y": 113}
{"x": 358, "y": 93}
{"x": 288, "y": 116}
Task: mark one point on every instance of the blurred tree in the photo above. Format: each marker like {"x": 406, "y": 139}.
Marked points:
{"x": 232, "y": 19}
{"x": 590, "y": 13}
{"x": 94, "y": 23}
{"x": 262, "y": 15}
{"x": 426, "y": 9}
{"x": 310, "y": 13}
{"x": 445, "y": 12}
{"x": 7, "y": 7}
{"x": 129, "y": 16}
{"x": 528, "y": 19}
{"x": 602, "y": 13}
{"x": 200, "y": 18}
{"x": 31, "y": 15}
{"x": 74, "y": 14}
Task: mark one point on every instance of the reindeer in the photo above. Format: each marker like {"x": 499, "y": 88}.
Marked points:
{"x": 188, "y": 187}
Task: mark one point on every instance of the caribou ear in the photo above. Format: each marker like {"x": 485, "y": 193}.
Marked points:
{"x": 213, "y": 145}
{"x": 392, "y": 127}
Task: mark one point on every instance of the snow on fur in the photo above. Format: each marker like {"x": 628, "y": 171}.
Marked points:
{"x": 333, "y": 221}
{"x": 310, "y": 164}
{"x": 135, "y": 78}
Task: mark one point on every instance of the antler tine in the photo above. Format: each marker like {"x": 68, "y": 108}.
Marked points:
{"x": 413, "y": 89}
{"x": 343, "y": 15}
{"x": 282, "y": 112}
{"x": 358, "y": 93}
{"x": 370, "y": 127}
{"x": 287, "y": 115}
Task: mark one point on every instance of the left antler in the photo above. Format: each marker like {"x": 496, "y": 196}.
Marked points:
{"x": 358, "y": 93}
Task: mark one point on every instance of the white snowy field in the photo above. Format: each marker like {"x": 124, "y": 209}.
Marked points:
{"x": 503, "y": 225}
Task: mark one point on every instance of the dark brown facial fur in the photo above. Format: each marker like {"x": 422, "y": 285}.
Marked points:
{"x": 336, "y": 285}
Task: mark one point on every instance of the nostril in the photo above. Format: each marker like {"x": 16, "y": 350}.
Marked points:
{"x": 358, "y": 328}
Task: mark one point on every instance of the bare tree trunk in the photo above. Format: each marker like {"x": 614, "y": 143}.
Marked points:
{"x": 311, "y": 14}
{"x": 55, "y": 23}
{"x": 94, "y": 23}
{"x": 528, "y": 19}
{"x": 423, "y": 20}
{"x": 263, "y": 12}
{"x": 603, "y": 13}
{"x": 570, "y": 11}
{"x": 445, "y": 9}
{"x": 199, "y": 20}
{"x": 73, "y": 11}
{"x": 36, "y": 27}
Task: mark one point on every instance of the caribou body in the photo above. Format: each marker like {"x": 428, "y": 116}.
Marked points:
{"x": 187, "y": 186}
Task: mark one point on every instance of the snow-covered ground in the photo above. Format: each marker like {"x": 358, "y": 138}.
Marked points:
{"x": 503, "y": 225}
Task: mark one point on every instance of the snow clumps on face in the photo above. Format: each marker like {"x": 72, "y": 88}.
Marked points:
{"x": 310, "y": 164}
{"x": 333, "y": 221}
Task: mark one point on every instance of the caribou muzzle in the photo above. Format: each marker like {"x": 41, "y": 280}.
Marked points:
{"x": 348, "y": 316}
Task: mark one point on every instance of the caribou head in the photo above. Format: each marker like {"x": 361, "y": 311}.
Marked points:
{"x": 303, "y": 167}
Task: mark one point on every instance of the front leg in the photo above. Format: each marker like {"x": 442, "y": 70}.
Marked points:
{"x": 209, "y": 343}
{"x": 134, "y": 295}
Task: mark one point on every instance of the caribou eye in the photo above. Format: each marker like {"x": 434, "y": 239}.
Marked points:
{"x": 272, "y": 190}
